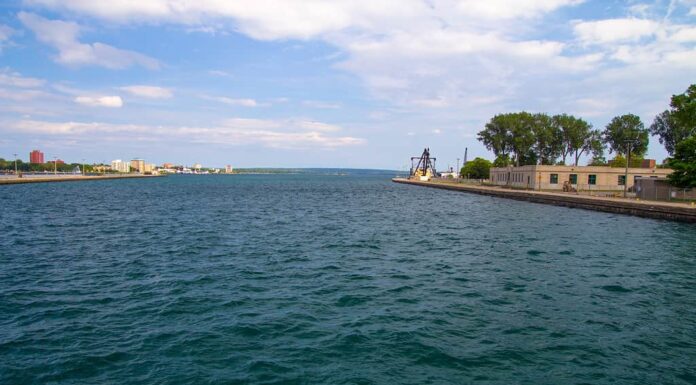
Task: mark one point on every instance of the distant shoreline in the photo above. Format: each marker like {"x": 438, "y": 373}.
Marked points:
{"x": 66, "y": 178}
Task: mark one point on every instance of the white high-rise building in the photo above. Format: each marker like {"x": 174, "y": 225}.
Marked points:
{"x": 120, "y": 166}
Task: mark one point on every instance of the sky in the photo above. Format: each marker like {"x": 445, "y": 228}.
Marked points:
{"x": 310, "y": 83}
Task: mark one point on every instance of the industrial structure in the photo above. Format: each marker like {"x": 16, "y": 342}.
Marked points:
{"x": 424, "y": 168}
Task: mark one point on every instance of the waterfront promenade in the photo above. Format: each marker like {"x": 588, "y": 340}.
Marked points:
{"x": 682, "y": 212}
{"x": 12, "y": 179}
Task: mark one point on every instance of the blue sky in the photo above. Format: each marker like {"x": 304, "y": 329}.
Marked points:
{"x": 307, "y": 83}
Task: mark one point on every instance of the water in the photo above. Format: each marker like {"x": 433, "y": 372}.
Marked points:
{"x": 328, "y": 279}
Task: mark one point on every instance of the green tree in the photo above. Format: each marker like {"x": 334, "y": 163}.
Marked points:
{"x": 549, "y": 139}
{"x": 626, "y": 131}
{"x": 496, "y": 135}
{"x": 684, "y": 164}
{"x": 502, "y": 161}
{"x": 577, "y": 137}
{"x": 478, "y": 168}
{"x": 523, "y": 139}
{"x": 678, "y": 123}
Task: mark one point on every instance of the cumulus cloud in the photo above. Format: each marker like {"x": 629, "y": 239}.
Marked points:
{"x": 287, "y": 134}
{"x": 63, "y": 36}
{"x": 151, "y": 92}
{"x": 100, "y": 101}
{"x": 615, "y": 30}
{"x": 462, "y": 58}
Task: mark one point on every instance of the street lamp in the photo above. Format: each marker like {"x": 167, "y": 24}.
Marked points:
{"x": 458, "y": 169}
{"x": 55, "y": 165}
{"x": 84, "y": 172}
{"x": 15, "y": 155}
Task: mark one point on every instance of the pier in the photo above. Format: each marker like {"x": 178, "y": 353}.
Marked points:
{"x": 681, "y": 212}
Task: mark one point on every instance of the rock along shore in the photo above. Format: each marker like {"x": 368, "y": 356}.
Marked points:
{"x": 61, "y": 178}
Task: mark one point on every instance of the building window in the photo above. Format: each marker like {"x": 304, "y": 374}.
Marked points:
{"x": 622, "y": 180}
{"x": 573, "y": 178}
{"x": 592, "y": 179}
{"x": 554, "y": 178}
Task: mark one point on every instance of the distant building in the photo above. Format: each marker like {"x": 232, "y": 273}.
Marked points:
{"x": 57, "y": 161}
{"x": 120, "y": 166}
{"x": 36, "y": 156}
{"x": 137, "y": 165}
{"x": 229, "y": 169}
{"x": 168, "y": 165}
{"x": 197, "y": 166}
{"x": 576, "y": 177}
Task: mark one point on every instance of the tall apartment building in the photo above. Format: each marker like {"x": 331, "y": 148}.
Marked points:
{"x": 36, "y": 156}
{"x": 120, "y": 166}
{"x": 137, "y": 165}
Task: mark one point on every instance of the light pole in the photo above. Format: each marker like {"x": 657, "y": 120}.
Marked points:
{"x": 628, "y": 142}
{"x": 15, "y": 155}
{"x": 55, "y": 165}
{"x": 458, "y": 170}
{"x": 84, "y": 172}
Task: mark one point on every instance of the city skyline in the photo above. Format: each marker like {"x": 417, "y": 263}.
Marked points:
{"x": 312, "y": 84}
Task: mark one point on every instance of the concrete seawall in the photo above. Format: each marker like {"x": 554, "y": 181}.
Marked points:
{"x": 648, "y": 209}
{"x": 77, "y": 178}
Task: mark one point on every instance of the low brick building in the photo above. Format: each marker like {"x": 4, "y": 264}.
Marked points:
{"x": 582, "y": 178}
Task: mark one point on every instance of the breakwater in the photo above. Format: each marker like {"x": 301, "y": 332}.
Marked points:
{"x": 63, "y": 178}
{"x": 647, "y": 209}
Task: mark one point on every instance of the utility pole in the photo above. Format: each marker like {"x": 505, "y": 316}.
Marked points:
{"x": 466, "y": 153}
{"x": 628, "y": 159}
{"x": 55, "y": 165}
{"x": 15, "y": 155}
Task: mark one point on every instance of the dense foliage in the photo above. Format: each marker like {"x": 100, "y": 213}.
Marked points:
{"x": 522, "y": 138}
{"x": 626, "y": 132}
{"x": 679, "y": 122}
{"x": 478, "y": 168}
{"x": 9, "y": 166}
{"x": 684, "y": 163}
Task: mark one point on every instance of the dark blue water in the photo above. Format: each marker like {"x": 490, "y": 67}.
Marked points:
{"x": 325, "y": 279}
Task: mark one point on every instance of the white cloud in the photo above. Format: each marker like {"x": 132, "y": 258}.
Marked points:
{"x": 63, "y": 36}
{"x": 321, "y": 104}
{"x": 289, "y": 134}
{"x": 15, "y": 79}
{"x": 151, "y": 92}
{"x": 244, "y": 102}
{"x": 100, "y": 101}
{"x": 615, "y": 30}
{"x": 684, "y": 35}
{"x": 5, "y": 33}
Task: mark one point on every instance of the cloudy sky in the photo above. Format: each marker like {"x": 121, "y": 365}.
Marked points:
{"x": 310, "y": 83}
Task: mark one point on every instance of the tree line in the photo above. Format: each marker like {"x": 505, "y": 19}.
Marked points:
{"x": 523, "y": 138}
{"x": 9, "y": 166}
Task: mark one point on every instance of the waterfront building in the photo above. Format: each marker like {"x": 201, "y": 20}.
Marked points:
{"x": 168, "y": 165}
{"x": 229, "y": 169}
{"x": 581, "y": 178}
{"x": 120, "y": 166}
{"x": 137, "y": 165}
{"x": 36, "y": 156}
{"x": 197, "y": 166}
